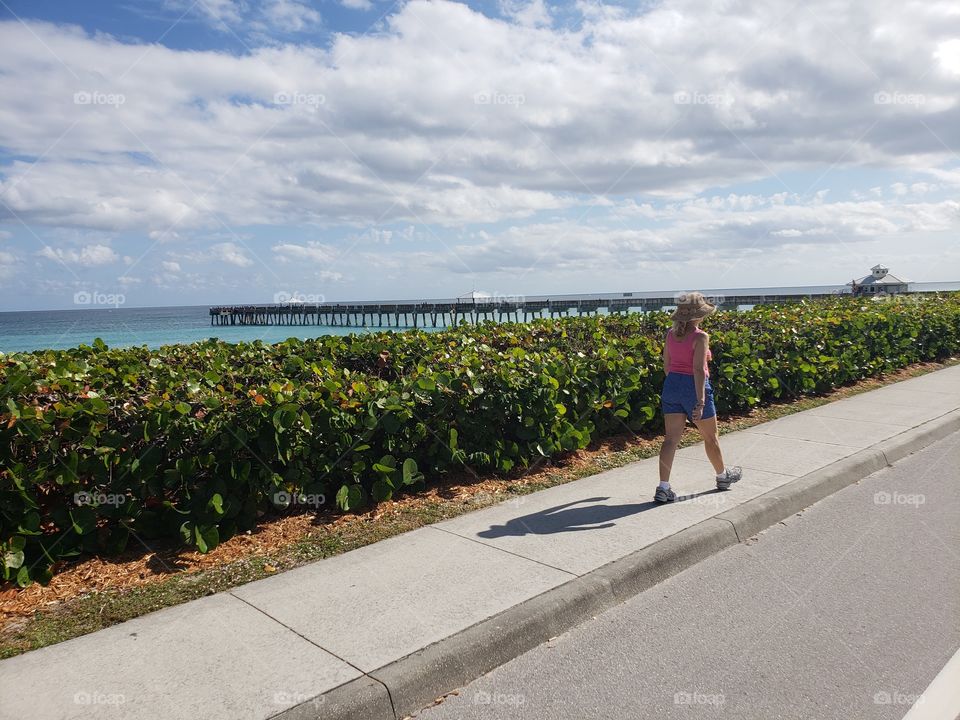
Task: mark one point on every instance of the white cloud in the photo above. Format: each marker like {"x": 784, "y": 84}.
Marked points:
{"x": 89, "y": 255}
{"x": 721, "y": 228}
{"x": 163, "y": 235}
{"x": 230, "y": 253}
{"x": 289, "y": 16}
{"x": 7, "y": 264}
{"x": 312, "y": 251}
{"x": 357, "y": 4}
{"x": 450, "y": 117}
{"x": 948, "y": 56}
{"x": 220, "y": 13}
{"x": 283, "y": 16}
{"x": 531, "y": 13}
{"x": 170, "y": 266}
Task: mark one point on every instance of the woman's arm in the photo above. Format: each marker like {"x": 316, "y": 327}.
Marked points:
{"x": 701, "y": 343}
{"x": 666, "y": 356}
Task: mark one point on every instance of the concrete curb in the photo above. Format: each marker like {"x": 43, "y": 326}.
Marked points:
{"x": 356, "y": 700}
{"x": 411, "y": 683}
{"x": 761, "y": 512}
{"x": 900, "y": 446}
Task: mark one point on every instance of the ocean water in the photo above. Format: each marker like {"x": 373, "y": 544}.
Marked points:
{"x": 117, "y": 327}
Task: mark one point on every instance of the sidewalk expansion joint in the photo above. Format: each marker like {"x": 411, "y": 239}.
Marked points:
{"x": 733, "y": 525}
{"x": 813, "y": 413}
{"x": 854, "y": 448}
{"x": 508, "y": 552}
{"x": 343, "y": 660}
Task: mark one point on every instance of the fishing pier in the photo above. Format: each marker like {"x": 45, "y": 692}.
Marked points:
{"x": 445, "y": 313}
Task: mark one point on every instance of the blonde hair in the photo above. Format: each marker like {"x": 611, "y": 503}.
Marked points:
{"x": 681, "y": 328}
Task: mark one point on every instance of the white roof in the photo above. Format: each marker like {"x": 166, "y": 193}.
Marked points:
{"x": 887, "y": 279}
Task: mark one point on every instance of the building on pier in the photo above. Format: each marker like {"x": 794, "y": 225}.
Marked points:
{"x": 879, "y": 282}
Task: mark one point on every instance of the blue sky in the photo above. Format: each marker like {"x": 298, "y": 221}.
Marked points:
{"x": 219, "y": 151}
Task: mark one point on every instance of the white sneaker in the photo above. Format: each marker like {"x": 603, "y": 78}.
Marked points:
{"x": 729, "y": 476}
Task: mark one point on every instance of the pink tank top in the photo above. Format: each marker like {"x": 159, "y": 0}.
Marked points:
{"x": 681, "y": 353}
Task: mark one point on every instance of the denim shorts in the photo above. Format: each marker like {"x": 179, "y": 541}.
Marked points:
{"x": 680, "y": 395}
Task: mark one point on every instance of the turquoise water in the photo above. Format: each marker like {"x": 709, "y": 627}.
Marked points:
{"x": 40, "y": 329}
{"x": 118, "y": 327}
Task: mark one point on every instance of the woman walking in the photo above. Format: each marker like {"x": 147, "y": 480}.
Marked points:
{"x": 687, "y": 393}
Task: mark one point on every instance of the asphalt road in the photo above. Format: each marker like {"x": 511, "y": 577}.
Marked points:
{"x": 849, "y": 609}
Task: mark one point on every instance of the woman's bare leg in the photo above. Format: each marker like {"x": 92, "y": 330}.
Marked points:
{"x": 711, "y": 442}
{"x": 675, "y": 424}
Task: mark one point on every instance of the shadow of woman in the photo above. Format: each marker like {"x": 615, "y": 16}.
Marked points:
{"x": 566, "y": 517}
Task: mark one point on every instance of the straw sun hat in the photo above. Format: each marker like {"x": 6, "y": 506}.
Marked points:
{"x": 692, "y": 306}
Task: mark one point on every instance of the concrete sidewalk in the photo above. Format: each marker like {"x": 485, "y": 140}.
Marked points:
{"x": 380, "y": 631}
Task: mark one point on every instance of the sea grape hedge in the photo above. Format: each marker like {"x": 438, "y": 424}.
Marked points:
{"x": 198, "y": 441}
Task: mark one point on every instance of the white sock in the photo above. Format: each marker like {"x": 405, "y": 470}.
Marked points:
{"x": 665, "y": 485}
{"x": 722, "y": 475}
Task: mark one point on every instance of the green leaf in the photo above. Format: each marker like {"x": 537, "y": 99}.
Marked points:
{"x": 23, "y": 577}
{"x": 13, "y": 559}
{"x": 84, "y": 519}
{"x": 98, "y": 405}
{"x": 207, "y": 537}
{"x": 410, "y": 473}
{"x": 350, "y": 497}
{"x": 387, "y": 464}
{"x": 426, "y": 383}
{"x": 391, "y": 423}
{"x": 382, "y": 490}
{"x": 216, "y": 504}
